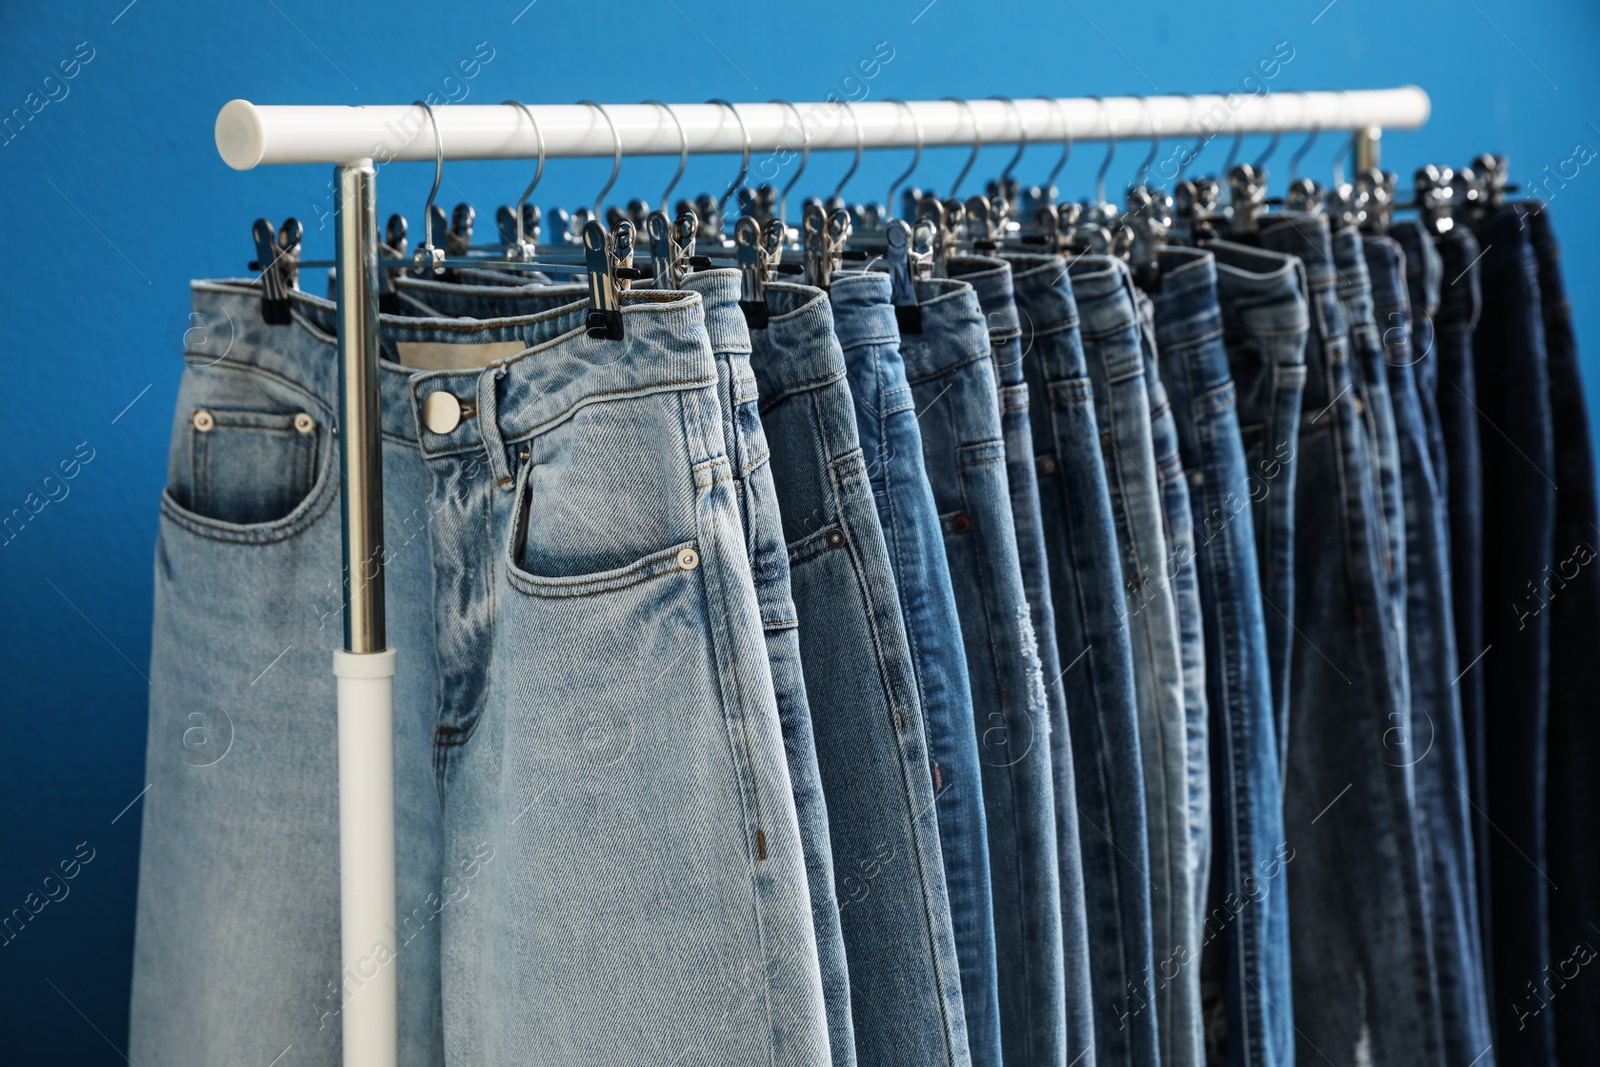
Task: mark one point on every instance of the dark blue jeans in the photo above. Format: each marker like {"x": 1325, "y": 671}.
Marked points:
{"x": 1573, "y": 830}
{"x": 1519, "y": 497}
{"x": 891, "y": 443}
{"x": 1249, "y": 939}
{"x": 1102, "y": 716}
{"x": 1438, "y": 736}
{"x": 905, "y": 985}
{"x": 992, "y": 280}
{"x": 953, "y": 383}
{"x": 1357, "y": 915}
{"x": 1458, "y": 416}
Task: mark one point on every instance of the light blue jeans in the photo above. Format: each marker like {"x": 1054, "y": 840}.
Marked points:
{"x": 581, "y": 512}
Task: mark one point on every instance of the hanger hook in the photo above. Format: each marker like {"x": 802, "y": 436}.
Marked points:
{"x": 1155, "y": 142}
{"x": 1200, "y": 142}
{"x": 438, "y": 173}
{"x": 538, "y": 172}
{"x": 1300, "y": 153}
{"x": 916, "y": 124}
{"x": 616, "y": 157}
{"x": 1022, "y": 136}
{"x": 1277, "y": 135}
{"x": 1111, "y": 150}
{"x": 861, "y": 146}
{"x": 1348, "y": 147}
{"x": 977, "y": 144}
{"x": 683, "y": 152}
{"x": 744, "y": 164}
{"x": 1066, "y": 140}
{"x": 1233, "y": 152}
{"x": 805, "y": 157}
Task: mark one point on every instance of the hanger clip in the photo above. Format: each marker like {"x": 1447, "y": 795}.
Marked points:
{"x": 1305, "y": 197}
{"x": 1375, "y": 195}
{"x": 825, "y": 235}
{"x": 986, "y": 223}
{"x": 605, "y": 306}
{"x": 1492, "y": 172}
{"x": 392, "y": 248}
{"x": 518, "y": 249}
{"x": 278, "y": 262}
{"x": 1144, "y": 233}
{"x": 910, "y": 256}
{"x": 752, "y": 258}
{"x": 1247, "y": 189}
{"x": 1434, "y": 192}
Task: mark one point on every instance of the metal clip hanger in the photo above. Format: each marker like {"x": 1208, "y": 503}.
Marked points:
{"x": 278, "y": 263}
{"x": 1375, "y": 194}
{"x": 825, "y": 236}
{"x": 910, "y": 258}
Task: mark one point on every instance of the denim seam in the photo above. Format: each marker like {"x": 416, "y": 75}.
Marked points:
{"x": 1050, "y": 329}
{"x": 275, "y": 532}
{"x": 949, "y": 368}
{"x": 803, "y": 386}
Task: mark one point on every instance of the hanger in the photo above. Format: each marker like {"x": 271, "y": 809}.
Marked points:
{"x": 916, "y": 124}
{"x": 1304, "y": 195}
{"x": 836, "y": 201}
{"x": 1004, "y": 192}
{"x": 608, "y": 257}
{"x": 671, "y": 242}
{"x": 278, "y": 263}
{"x": 519, "y": 227}
{"x": 1144, "y": 225}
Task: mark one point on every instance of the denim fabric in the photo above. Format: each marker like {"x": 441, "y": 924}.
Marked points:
{"x": 992, "y": 280}
{"x": 1517, "y": 454}
{"x": 1574, "y": 836}
{"x": 529, "y": 763}
{"x": 1439, "y": 743}
{"x": 1458, "y": 415}
{"x": 1102, "y": 711}
{"x": 954, "y": 386}
{"x": 1424, "y": 270}
{"x": 1265, "y": 322}
{"x": 1349, "y": 803}
{"x": 905, "y": 984}
{"x": 1248, "y": 942}
{"x": 762, "y": 527}
{"x": 891, "y": 444}
{"x": 1122, "y": 409}
{"x": 1181, "y": 968}
{"x": 1365, "y": 334}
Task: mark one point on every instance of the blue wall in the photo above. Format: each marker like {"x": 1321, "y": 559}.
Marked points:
{"x": 116, "y": 197}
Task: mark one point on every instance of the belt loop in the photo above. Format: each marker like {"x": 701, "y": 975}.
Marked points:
{"x": 489, "y": 423}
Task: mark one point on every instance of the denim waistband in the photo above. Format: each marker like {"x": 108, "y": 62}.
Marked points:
{"x": 800, "y": 330}
{"x": 862, "y": 309}
{"x": 1101, "y": 286}
{"x": 559, "y": 369}
{"x": 1308, "y": 239}
{"x": 1041, "y": 285}
{"x": 1186, "y": 306}
{"x": 990, "y": 278}
{"x": 1459, "y": 295}
{"x": 954, "y": 332}
{"x": 1350, "y": 261}
{"x": 1265, "y": 292}
{"x": 1387, "y": 270}
{"x": 1423, "y": 267}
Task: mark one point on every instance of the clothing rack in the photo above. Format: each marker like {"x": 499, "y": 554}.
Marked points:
{"x": 351, "y": 138}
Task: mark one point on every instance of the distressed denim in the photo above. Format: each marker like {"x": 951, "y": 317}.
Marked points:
{"x": 1458, "y": 413}
{"x": 1100, "y": 737}
{"x": 1439, "y": 743}
{"x": 1357, "y": 919}
{"x": 1574, "y": 740}
{"x": 1122, "y": 410}
{"x": 953, "y": 383}
{"x": 524, "y": 763}
{"x": 905, "y": 983}
{"x": 1180, "y": 968}
{"x": 1265, "y": 323}
{"x": 891, "y": 443}
{"x": 1366, "y": 334}
{"x": 762, "y": 527}
{"x": 1247, "y": 943}
{"x": 1519, "y": 498}
{"x": 992, "y": 280}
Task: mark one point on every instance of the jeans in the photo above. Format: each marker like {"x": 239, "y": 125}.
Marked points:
{"x": 891, "y": 443}
{"x": 1574, "y": 741}
{"x": 1458, "y": 415}
{"x": 1265, "y": 322}
{"x": 1251, "y": 943}
{"x": 1349, "y": 801}
{"x": 905, "y": 985}
{"x": 1100, "y": 738}
{"x": 1061, "y": 905}
{"x": 507, "y": 767}
{"x": 1122, "y": 409}
{"x": 762, "y": 528}
{"x": 1439, "y": 743}
{"x": 1517, "y": 453}
{"x": 1181, "y": 967}
{"x": 1367, "y": 333}
{"x": 953, "y": 383}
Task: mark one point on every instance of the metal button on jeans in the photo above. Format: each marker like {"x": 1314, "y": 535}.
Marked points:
{"x": 441, "y": 412}
{"x": 688, "y": 559}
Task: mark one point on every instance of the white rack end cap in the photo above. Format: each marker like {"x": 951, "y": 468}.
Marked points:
{"x": 241, "y": 140}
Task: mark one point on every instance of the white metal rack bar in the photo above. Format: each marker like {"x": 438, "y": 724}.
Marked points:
{"x": 355, "y": 138}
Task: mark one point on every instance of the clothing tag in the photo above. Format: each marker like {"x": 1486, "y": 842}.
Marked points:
{"x": 442, "y": 355}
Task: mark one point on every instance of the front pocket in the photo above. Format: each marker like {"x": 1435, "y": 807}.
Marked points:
{"x": 246, "y": 467}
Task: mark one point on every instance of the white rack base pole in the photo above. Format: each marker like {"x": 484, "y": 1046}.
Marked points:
{"x": 366, "y": 668}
